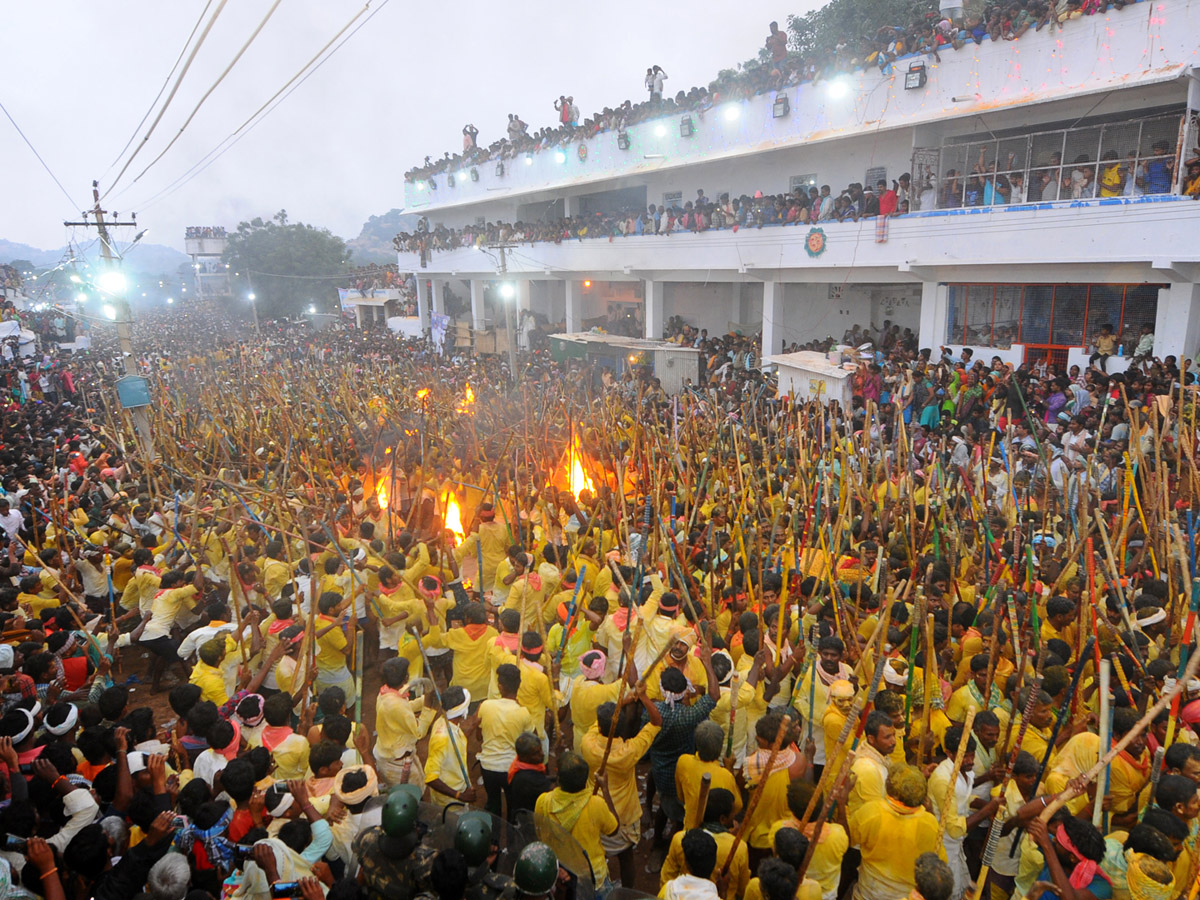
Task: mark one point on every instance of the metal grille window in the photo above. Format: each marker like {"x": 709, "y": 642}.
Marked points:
{"x": 1120, "y": 159}
{"x": 874, "y": 175}
{"x": 803, "y": 182}
{"x": 1048, "y": 316}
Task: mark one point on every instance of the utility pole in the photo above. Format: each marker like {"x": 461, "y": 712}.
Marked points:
{"x": 124, "y": 317}
{"x": 507, "y": 295}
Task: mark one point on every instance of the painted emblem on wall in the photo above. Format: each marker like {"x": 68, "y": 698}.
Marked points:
{"x": 815, "y": 242}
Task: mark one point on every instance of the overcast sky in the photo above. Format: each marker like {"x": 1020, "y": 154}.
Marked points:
{"x": 80, "y": 74}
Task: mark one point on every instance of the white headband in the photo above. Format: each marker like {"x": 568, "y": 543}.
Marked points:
{"x": 284, "y": 804}
{"x": 66, "y": 725}
{"x": 1159, "y": 615}
{"x": 891, "y": 676}
{"x": 24, "y": 733}
{"x": 457, "y": 712}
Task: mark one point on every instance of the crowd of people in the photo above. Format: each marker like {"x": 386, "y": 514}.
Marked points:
{"x": 205, "y": 231}
{"x": 942, "y": 27}
{"x": 376, "y": 622}
{"x": 10, "y": 279}
{"x": 803, "y": 206}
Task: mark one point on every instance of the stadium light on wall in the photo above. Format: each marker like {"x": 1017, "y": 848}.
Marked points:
{"x": 450, "y": 180}
{"x": 474, "y": 174}
{"x": 560, "y": 157}
{"x": 733, "y": 112}
{"x": 915, "y": 77}
{"x": 433, "y": 184}
{"x": 623, "y": 140}
{"x": 686, "y": 128}
{"x": 781, "y": 107}
{"x": 528, "y": 159}
{"x": 660, "y": 130}
{"x": 500, "y": 169}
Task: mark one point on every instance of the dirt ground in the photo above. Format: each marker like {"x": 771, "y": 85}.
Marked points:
{"x": 135, "y": 663}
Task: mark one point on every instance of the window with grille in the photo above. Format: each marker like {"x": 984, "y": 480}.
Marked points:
{"x": 1117, "y": 159}
{"x": 1045, "y": 315}
{"x": 803, "y": 182}
{"x": 672, "y": 199}
{"x": 874, "y": 175}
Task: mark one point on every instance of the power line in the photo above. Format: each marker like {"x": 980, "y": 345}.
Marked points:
{"x": 29, "y": 144}
{"x": 171, "y": 96}
{"x": 233, "y": 62}
{"x": 166, "y": 81}
{"x": 233, "y": 137}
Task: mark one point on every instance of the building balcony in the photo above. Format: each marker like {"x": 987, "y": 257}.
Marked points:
{"x": 1145, "y": 46}
{"x": 1144, "y": 239}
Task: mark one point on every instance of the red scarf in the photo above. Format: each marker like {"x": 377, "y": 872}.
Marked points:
{"x": 518, "y": 766}
{"x": 475, "y": 632}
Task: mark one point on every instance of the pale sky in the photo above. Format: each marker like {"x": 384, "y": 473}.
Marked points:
{"x": 80, "y": 74}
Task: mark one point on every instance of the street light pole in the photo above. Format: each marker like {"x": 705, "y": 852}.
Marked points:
{"x": 254, "y": 307}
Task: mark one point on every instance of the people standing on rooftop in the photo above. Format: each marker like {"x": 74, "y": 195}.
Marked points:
{"x": 777, "y": 43}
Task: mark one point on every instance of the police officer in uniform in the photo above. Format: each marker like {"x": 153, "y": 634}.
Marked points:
{"x": 536, "y": 872}
{"x": 392, "y": 860}
{"x": 473, "y": 838}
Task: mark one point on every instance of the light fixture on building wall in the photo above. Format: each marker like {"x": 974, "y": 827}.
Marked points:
{"x": 500, "y": 169}
{"x": 781, "y": 107}
{"x": 622, "y": 140}
{"x": 915, "y": 77}
{"x": 474, "y": 174}
{"x": 433, "y": 184}
{"x": 686, "y": 128}
{"x": 450, "y": 180}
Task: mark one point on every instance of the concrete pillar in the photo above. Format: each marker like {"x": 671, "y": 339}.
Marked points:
{"x": 423, "y": 302}
{"x": 436, "y": 289}
{"x": 654, "y": 309}
{"x": 523, "y": 297}
{"x": 477, "y": 311}
{"x": 1177, "y": 324}
{"x": 570, "y": 207}
{"x": 737, "y": 309}
{"x": 934, "y": 313}
{"x": 772, "y": 318}
{"x": 574, "y": 318}
{"x": 358, "y": 316}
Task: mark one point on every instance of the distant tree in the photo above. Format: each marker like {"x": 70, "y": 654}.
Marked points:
{"x": 289, "y": 265}
{"x": 851, "y": 20}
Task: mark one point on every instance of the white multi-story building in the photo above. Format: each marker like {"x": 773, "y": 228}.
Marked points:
{"x": 1026, "y": 277}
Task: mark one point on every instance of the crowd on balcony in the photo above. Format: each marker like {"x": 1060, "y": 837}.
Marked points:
{"x": 205, "y": 231}
{"x": 944, "y": 26}
{"x": 802, "y": 206}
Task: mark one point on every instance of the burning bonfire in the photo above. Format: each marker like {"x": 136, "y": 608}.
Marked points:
{"x": 452, "y": 517}
{"x": 468, "y": 400}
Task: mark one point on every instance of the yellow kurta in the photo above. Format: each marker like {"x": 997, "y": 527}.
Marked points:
{"x": 689, "y": 772}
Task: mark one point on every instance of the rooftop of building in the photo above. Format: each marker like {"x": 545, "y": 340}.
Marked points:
{"x": 806, "y": 99}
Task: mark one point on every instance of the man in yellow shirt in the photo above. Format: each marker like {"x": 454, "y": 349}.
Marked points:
{"x": 146, "y": 579}
{"x": 333, "y": 648}
{"x": 841, "y": 700}
{"x": 621, "y": 770}
{"x": 207, "y": 672}
{"x": 872, "y": 762}
{"x": 718, "y": 816}
{"x": 400, "y": 722}
{"x": 691, "y": 768}
{"x": 891, "y": 833}
{"x": 501, "y": 722}
{"x": 588, "y": 693}
{"x": 1130, "y": 770}
{"x": 470, "y": 643}
{"x": 581, "y": 813}
{"x": 171, "y": 599}
{"x": 446, "y": 759}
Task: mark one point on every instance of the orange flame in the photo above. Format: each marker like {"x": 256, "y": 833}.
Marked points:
{"x": 453, "y": 516}
{"x": 422, "y": 393}
{"x": 381, "y": 494}
{"x": 577, "y": 479}
{"x": 467, "y": 401}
